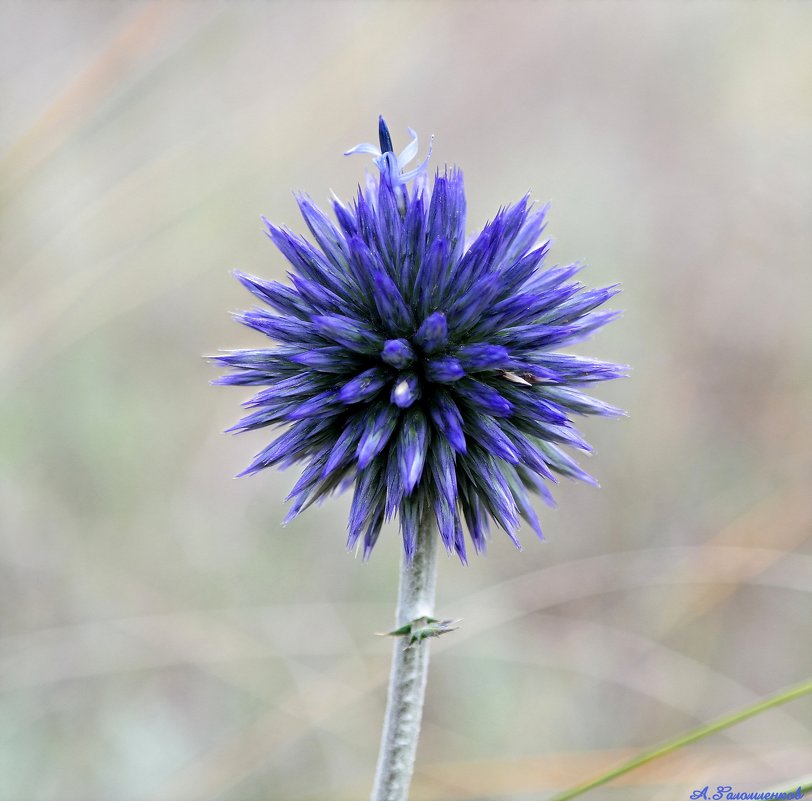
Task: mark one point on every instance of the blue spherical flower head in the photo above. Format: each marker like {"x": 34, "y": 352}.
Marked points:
{"x": 417, "y": 368}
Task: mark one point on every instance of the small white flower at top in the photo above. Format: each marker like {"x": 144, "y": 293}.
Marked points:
{"x": 392, "y": 166}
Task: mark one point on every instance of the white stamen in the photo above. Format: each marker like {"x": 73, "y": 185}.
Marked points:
{"x": 402, "y": 391}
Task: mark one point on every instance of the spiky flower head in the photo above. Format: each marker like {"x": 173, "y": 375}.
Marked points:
{"x": 418, "y": 368}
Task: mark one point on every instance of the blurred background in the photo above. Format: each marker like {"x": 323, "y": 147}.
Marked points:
{"x": 162, "y": 637}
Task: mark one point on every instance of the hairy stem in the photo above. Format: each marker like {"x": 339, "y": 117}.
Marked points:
{"x": 410, "y": 665}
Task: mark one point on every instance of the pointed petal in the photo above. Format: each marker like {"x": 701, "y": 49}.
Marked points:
{"x": 364, "y": 386}
{"x": 482, "y": 397}
{"x": 409, "y": 152}
{"x": 412, "y": 448}
{"x": 398, "y": 353}
{"x": 564, "y": 464}
{"x": 411, "y": 513}
{"x": 343, "y": 451}
{"x": 369, "y": 496}
{"x": 407, "y": 176}
{"x": 580, "y": 403}
{"x": 392, "y": 309}
{"x": 444, "y": 369}
{"x": 433, "y": 333}
{"x": 348, "y": 332}
{"x": 484, "y": 429}
{"x": 447, "y": 419}
{"x": 364, "y": 147}
{"x": 329, "y": 359}
{"x": 282, "y": 329}
{"x": 283, "y": 298}
{"x": 380, "y": 425}
{"x": 481, "y": 356}
{"x": 459, "y": 540}
{"x": 373, "y": 532}
{"x": 523, "y": 503}
{"x": 431, "y": 276}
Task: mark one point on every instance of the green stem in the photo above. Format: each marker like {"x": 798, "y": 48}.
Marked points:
{"x": 687, "y": 739}
{"x": 410, "y": 666}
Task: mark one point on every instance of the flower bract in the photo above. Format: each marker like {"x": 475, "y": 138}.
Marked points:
{"x": 420, "y": 368}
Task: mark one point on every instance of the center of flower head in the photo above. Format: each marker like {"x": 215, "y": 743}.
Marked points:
{"x": 415, "y": 359}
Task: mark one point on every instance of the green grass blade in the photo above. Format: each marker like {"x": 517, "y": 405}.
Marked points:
{"x": 686, "y": 739}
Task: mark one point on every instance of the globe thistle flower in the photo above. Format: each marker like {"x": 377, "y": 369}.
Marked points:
{"x": 422, "y": 369}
